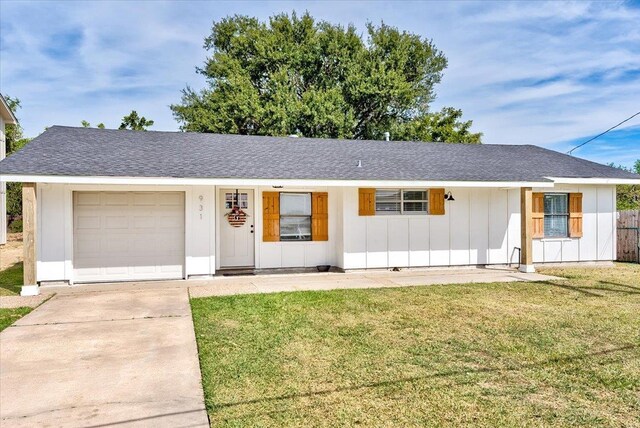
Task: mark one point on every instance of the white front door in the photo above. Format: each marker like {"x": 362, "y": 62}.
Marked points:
{"x": 236, "y": 228}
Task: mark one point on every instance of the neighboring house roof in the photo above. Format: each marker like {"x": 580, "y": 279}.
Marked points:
{"x": 6, "y": 113}
{"x": 67, "y": 151}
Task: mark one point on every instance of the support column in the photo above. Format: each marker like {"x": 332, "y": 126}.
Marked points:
{"x": 29, "y": 218}
{"x": 526, "y": 229}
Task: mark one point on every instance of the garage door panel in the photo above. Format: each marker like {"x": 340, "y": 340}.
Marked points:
{"x": 144, "y": 269}
{"x": 144, "y": 247}
{"x": 144, "y": 222}
{"x": 116, "y": 222}
{"x": 88, "y": 245}
{"x": 170, "y": 199}
{"x": 144, "y": 199}
{"x": 116, "y": 199}
{"x": 128, "y": 236}
{"x": 169, "y": 223}
{"x": 171, "y": 268}
{"x": 116, "y": 245}
{"x": 88, "y": 199}
{"x": 88, "y": 222}
{"x": 115, "y": 270}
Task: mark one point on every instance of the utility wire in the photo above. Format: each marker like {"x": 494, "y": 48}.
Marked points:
{"x": 600, "y": 135}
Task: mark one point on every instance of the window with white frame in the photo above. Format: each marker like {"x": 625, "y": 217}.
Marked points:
{"x": 556, "y": 215}
{"x": 295, "y": 216}
{"x": 401, "y": 201}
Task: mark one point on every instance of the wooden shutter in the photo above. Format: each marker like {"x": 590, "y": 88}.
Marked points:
{"x": 436, "y": 201}
{"x": 319, "y": 216}
{"x": 366, "y": 201}
{"x": 537, "y": 215}
{"x": 270, "y": 216}
{"x": 575, "y": 215}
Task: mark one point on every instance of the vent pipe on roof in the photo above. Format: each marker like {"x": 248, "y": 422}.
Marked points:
{"x": 386, "y": 136}
{"x": 359, "y": 165}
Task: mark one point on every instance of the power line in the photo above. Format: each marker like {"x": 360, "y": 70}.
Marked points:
{"x": 600, "y": 135}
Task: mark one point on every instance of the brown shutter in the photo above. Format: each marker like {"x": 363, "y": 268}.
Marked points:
{"x": 575, "y": 215}
{"x": 537, "y": 215}
{"x": 270, "y": 216}
{"x": 319, "y": 216}
{"x": 367, "y": 201}
{"x": 436, "y": 201}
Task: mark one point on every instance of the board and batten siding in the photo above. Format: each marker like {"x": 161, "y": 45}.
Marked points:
{"x": 598, "y": 241}
{"x": 276, "y": 254}
{"x": 482, "y": 226}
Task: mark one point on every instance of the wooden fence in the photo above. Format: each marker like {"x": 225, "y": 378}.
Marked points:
{"x": 629, "y": 236}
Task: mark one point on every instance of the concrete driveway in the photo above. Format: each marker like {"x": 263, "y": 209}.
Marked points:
{"x": 103, "y": 359}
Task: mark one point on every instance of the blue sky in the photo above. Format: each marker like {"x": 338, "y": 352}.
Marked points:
{"x": 552, "y": 74}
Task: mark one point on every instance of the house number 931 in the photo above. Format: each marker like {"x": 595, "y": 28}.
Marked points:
{"x": 201, "y": 207}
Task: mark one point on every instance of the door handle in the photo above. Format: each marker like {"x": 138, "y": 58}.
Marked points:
{"x": 251, "y": 228}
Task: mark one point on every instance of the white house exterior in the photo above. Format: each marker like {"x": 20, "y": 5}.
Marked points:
{"x": 6, "y": 117}
{"x": 93, "y": 227}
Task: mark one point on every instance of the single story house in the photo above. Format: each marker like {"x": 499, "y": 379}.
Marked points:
{"x": 112, "y": 205}
{"x": 6, "y": 118}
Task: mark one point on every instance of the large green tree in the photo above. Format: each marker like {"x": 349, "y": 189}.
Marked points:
{"x": 297, "y": 75}
{"x": 628, "y": 195}
{"x": 14, "y": 141}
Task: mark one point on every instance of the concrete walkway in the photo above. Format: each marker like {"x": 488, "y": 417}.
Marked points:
{"x": 273, "y": 283}
{"x": 365, "y": 279}
{"x": 110, "y": 359}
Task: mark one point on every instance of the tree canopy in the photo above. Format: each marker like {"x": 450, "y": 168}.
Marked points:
{"x": 134, "y": 122}
{"x": 317, "y": 79}
{"x": 86, "y": 124}
{"x": 15, "y": 140}
{"x": 628, "y": 195}
{"x": 14, "y": 137}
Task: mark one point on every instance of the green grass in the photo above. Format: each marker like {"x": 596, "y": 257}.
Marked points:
{"x": 9, "y": 316}
{"x": 560, "y": 353}
{"x": 10, "y": 285}
{"x": 11, "y": 280}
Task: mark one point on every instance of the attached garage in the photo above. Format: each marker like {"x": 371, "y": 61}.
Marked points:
{"x": 120, "y": 236}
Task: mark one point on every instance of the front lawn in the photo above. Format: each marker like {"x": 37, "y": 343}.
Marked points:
{"x": 9, "y": 316}
{"x": 11, "y": 280}
{"x": 510, "y": 354}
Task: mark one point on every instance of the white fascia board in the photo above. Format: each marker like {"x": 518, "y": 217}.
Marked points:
{"x": 7, "y": 114}
{"x": 173, "y": 181}
{"x": 567, "y": 180}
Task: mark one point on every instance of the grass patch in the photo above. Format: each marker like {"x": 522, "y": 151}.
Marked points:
{"x": 560, "y": 353}
{"x": 9, "y": 316}
{"x": 11, "y": 280}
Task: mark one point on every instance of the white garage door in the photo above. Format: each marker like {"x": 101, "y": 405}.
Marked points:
{"x": 121, "y": 236}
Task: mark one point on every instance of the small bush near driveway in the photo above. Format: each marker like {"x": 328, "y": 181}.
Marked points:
{"x": 561, "y": 353}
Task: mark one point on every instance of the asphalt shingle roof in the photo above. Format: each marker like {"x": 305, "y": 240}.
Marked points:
{"x": 72, "y": 151}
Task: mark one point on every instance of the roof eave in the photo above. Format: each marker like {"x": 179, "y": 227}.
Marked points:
{"x": 173, "y": 181}
{"x": 6, "y": 113}
{"x": 594, "y": 180}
